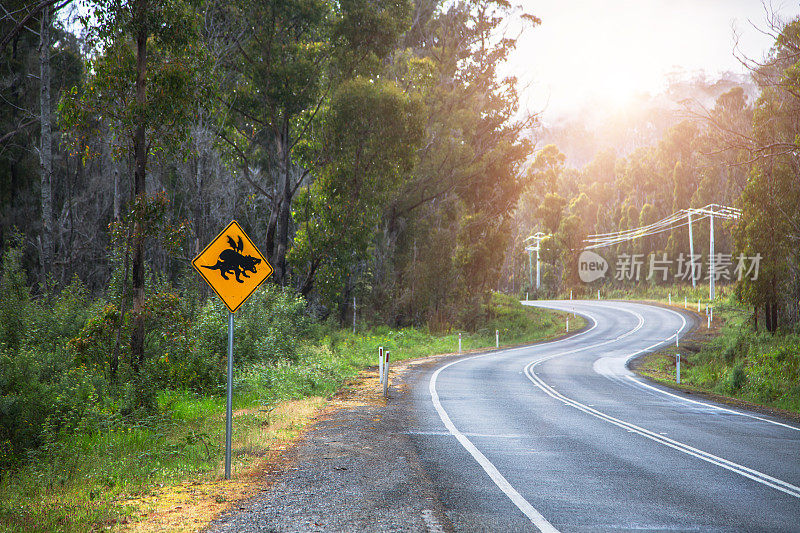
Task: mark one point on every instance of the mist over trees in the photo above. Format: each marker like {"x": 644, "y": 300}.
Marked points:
{"x": 719, "y": 142}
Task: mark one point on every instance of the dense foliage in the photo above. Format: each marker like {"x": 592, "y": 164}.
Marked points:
{"x": 373, "y": 152}
{"x": 369, "y": 148}
{"x": 256, "y": 111}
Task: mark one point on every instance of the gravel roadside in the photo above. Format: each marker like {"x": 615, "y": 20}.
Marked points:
{"x": 356, "y": 470}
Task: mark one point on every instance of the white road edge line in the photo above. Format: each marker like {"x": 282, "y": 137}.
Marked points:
{"x": 755, "y": 475}
{"x": 502, "y": 483}
{"x": 704, "y": 404}
{"x": 712, "y": 406}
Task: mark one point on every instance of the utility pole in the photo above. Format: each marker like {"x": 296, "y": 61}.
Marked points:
{"x": 711, "y": 257}
{"x": 691, "y": 251}
{"x": 530, "y": 249}
{"x": 530, "y": 267}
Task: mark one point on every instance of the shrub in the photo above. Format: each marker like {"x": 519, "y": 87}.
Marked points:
{"x": 266, "y": 328}
{"x": 55, "y": 318}
{"x": 14, "y": 296}
{"x": 737, "y": 377}
{"x": 43, "y": 396}
{"x": 737, "y": 348}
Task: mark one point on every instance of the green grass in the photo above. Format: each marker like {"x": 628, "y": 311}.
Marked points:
{"x": 337, "y": 355}
{"x": 87, "y": 480}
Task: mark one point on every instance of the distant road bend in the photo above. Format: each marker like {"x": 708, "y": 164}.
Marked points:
{"x": 560, "y": 436}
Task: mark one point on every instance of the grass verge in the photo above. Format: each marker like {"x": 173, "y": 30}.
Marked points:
{"x": 732, "y": 363}
{"x": 165, "y": 473}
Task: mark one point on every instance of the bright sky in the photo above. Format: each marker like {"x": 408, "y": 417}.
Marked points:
{"x": 606, "y": 51}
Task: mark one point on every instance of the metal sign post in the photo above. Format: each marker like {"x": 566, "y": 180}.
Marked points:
{"x": 229, "y": 404}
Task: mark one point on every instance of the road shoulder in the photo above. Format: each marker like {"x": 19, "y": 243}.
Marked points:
{"x": 355, "y": 470}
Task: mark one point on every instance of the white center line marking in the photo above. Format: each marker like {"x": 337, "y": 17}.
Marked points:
{"x": 750, "y": 473}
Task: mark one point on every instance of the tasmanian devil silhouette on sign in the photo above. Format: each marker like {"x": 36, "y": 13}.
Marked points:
{"x": 233, "y": 261}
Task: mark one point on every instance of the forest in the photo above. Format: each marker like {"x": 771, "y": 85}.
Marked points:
{"x": 372, "y": 152}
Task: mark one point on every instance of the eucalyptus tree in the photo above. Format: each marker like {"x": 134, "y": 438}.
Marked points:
{"x": 290, "y": 55}
{"x": 38, "y": 59}
{"x": 362, "y": 159}
{"x": 143, "y": 83}
{"x": 770, "y": 223}
{"x": 468, "y": 175}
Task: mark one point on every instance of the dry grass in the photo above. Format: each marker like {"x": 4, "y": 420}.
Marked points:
{"x": 261, "y": 438}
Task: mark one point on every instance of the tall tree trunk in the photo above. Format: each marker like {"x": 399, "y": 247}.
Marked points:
{"x": 768, "y": 324}
{"x": 46, "y": 147}
{"x": 197, "y": 209}
{"x": 774, "y": 312}
{"x": 111, "y": 172}
{"x": 140, "y": 189}
{"x": 284, "y": 207}
{"x": 115, "y": 170}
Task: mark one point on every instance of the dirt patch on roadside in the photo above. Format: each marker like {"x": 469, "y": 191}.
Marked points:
{"x": 357, "y": 432}
{"x": 351, "y": 468}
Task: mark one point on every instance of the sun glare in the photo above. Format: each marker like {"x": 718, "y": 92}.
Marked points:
{"x": 589, "y": 53}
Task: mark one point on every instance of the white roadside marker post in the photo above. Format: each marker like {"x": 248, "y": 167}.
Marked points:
{"x": 670, "y": 298}
{"x": 676, "y": 338}
{"x": 497, "y": 338}
{"x": 678, "y": 367}
{"x": 598, "y": 294}
{"x": 698, "y": 305}
{"x": 685, "y": 303}
{"x": 380, "y": 364}
{"x": 459, "y": 342}
{"x": 570, "y": 294}
{"x": 711, "y": 313}
{"x": 526, "y": 297}
{"x": 567, "y": 324}
{"x": 386, "y": 374}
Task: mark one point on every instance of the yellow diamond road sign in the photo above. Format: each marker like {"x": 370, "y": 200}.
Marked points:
{"x": 233, "y": 266}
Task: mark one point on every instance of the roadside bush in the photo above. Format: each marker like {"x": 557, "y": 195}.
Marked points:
{"x": 94, "y": 342}
{"x": 44, "y": 397}
{"x": 737, "y": 348}
{"x": 56, "y": 317}
{"x": 736, "y": 378}
{"x": 14, "y": 296}
{"x": 266, "y": 328}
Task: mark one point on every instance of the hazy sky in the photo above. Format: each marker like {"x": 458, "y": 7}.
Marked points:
{"x": 603, "y": 52}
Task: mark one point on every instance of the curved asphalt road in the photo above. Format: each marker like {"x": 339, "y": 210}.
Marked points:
{"x": 561, "y": 436}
